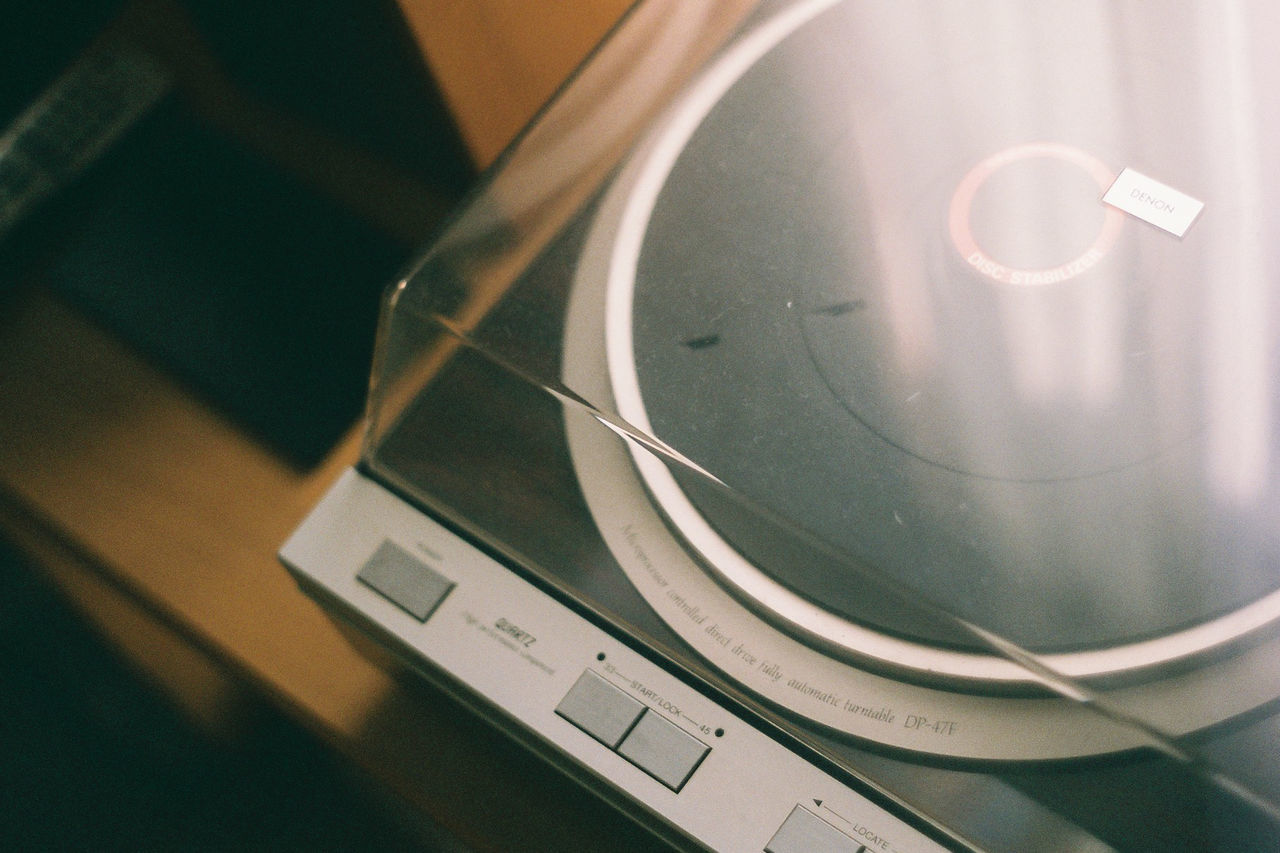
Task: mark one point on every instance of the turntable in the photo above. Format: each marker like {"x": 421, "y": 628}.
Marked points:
{"x": 852, "y": 424}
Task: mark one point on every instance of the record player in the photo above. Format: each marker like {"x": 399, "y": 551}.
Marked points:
{"x": 853, "y": 424}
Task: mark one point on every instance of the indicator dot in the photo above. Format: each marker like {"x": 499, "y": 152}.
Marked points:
{"x": 719, "y": 732}
{"x": 600, "y": 656}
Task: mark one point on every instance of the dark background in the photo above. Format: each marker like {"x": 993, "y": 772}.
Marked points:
{"x": 241, "y": 232}
{"x": 238, "y": 236}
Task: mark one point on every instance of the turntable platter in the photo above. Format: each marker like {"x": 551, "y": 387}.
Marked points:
{"x": 1035, "y": 433}
{"x": 877, "y": 293}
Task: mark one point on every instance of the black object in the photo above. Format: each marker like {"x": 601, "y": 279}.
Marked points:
{"x": 250, "y": 285}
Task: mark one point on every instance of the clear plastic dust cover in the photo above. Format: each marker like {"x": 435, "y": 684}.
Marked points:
{"x": 911, "y": 370}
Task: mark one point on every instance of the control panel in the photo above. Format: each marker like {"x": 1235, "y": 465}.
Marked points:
{"x": 639, "y": 734}
{"x": 704, "y": 768}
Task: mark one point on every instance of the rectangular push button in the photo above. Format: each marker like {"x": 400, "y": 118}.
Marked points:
{"x": 664, "y": 751}
{"x": 404, "y": 580}
{"x": 599, "y": 709}
{"x": 805, "y": 832}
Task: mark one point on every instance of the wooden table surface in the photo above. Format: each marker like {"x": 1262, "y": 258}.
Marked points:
{"x": 161, "y": 520}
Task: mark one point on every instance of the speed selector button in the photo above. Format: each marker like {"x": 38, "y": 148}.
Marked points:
{"x": 665, "y": 752}
{"x": 599, "y": 709}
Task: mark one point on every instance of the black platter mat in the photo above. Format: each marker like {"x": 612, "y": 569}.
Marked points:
{"x": 1064, "y": 460}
